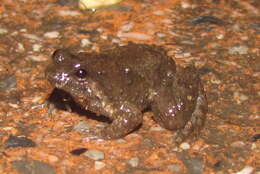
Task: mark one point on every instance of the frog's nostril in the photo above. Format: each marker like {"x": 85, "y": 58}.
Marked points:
{"x": 57, "y": 56}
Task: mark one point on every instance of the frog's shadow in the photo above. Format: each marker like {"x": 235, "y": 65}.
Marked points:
{"x": 62, "y": 100}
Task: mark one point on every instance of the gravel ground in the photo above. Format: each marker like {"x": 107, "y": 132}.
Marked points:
{"x": 221, "y": 38}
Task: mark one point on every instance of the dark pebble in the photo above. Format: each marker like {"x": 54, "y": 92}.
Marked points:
{"x": 206, "y": 20}
{"x": 78, "y": 151}
{"x": 255, "y": 26}
{"x": 255, "y": 138}
{"x": 14, "y": 141}
{"x": 33, "y": 167}
{"x": 88, "y": 32}
{"x": 204, "y": 70}
{"x": 67, "y": 2}
{"x": 217, "y": 165}
{"x": 194, "y": 165}
{"x": 7, "y": 83}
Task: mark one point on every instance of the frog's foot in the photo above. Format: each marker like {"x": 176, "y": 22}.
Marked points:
{"x": 196, "y": 122}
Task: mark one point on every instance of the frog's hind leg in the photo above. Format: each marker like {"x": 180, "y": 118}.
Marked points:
{"x": 197, "y": 120}
{"x": 183, "y": 106}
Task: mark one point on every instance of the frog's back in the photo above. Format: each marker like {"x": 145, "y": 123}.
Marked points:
{"x": 149, "y": 62}
{"x": 129, "y": 73}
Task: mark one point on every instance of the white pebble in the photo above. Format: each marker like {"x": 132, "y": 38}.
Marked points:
{"x": 241, "y": 96}
{"x": 220, "y": 36}
{"x": 38, "y": 58}
{"x": 182, "y": 55}
{"x": 69, "y": 13}
{"x": 52, "y": 34}
{"x": 85, "y": 42}
{"x": 104, "y": 37}
{"x": 32, "y": 37}
{"x": 240, "y": 49}
{"x": 185, "y": 146}
{"x": 237, "y": 144}
{"x": 134, "y": 162}
{"x": 127, "y": 27}
{"x": 20, "y": 48}
{"x": 99, "y": 165}
{"x": 3, "y": 31}
{"x": 156, "y": 128}
{"x": 95, "y": 154}
{"x": 36, "y": 47}
{"x": 246, "y": 170}
{"x": 185, "y": 5}
{"x": 158, "y": 12}
{"x": 134, "y": 35}
{"x": 82, "y": 127}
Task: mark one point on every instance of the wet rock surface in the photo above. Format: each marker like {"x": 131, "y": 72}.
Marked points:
{"x": 221, "y": 38}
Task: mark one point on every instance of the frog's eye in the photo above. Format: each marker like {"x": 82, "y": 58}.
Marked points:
{"x": 81, "y": 73}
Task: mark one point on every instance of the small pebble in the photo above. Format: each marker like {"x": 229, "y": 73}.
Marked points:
{"x": 134, "y": 35}
{"x": 38, "y": 58}
{"x": 185, "y": 5}
{"x": 158, "y": 12}
{"x": 246, "y": 170}
{"x": 237, "y": 144}
{"x": 95, "y": 154}
{"x": 53, "y": 158}
{"x": 99, "y": 165}
{"x": 174, "y": 167}
{"x": 7, "y": 83}
{"x": 127, "y": 27}
{"x": 36, "y": 47}
{"x": 3, "y": 31}
{"x": 134, "y": 161}
{"x": 104, "y": 37}
{"x": 85, "y": 42}
{"x": 78, "y": 151}
{"x": 182, "y": 55}
{"x": 67, "y": 2}
{"x": 32, "y": 37}
{"x": 206, "y": 20}
{"x": 52, "y": 34}
{"x": 220, "y": 36}
{"x": 82, "y": 127}
{"x": 121, "y": 141}
{"x": 18, "y": 141}
{"x": 185, "y": 146}
{"x": 156, "y": 128}
{"x": 241, "y": 96}
{"x": 20, "y": 48}
{"x": 33, "y": 167}
{"x": 240, "y": 49}
{"x": 255, "y": 138}
{"x": 69, "y": 13}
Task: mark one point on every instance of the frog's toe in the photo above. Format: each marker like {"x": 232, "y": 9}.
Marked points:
{"x": 181, "y": 134}
{"x": 195, "y": 124}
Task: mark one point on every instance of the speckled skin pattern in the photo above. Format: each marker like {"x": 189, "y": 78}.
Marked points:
{"x": 122, "y": 82}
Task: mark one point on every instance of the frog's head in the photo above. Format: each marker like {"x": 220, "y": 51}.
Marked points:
{"x": 69, "y": 73}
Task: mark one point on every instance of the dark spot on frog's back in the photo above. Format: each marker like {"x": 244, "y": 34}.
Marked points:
{"x": 122, "y": 82}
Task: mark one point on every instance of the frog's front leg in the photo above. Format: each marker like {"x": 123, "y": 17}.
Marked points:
{"x": 125, "y": 119}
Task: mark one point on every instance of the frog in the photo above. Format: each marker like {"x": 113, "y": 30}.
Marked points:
{"x": 123, "y": 82}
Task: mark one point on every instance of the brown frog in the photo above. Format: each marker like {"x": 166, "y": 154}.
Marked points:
{"x": 123, "y": 82}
